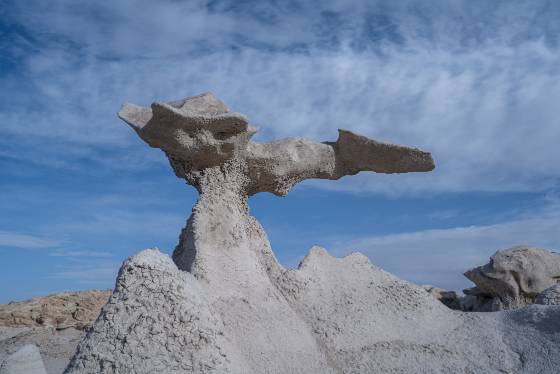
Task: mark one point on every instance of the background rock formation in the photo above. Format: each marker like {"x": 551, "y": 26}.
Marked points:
{"x": 449, "y": 298}
{"x": 56, "y": 346}
{"x": 60, "y": 311}
{"x": 514, "y": 277}
{"x": 225, "y": 305}
{"x": 55, "y": 324}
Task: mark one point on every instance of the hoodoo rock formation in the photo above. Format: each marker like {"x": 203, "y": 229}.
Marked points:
{"x": 223, "y": 304}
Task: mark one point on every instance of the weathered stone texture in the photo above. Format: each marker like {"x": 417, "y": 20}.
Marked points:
{"x": 225, "y": 305}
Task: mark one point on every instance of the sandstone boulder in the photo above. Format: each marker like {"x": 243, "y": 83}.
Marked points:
{"x": 60, "y": 311}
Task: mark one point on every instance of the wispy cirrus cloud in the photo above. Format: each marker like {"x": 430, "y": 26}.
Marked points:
{"x": 101, "y": 275}
{"x": 80, "y": 254}
{"x": 26, "y": 241}
{"x": 478, "y": 95}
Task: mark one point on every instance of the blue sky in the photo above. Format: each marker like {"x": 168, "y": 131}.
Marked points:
{"x": 475, "y": 82}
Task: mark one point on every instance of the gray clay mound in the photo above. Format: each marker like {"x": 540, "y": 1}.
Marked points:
{"x": 329, "y": 316}
{"x": 27, "y": 360}
{"x": 56, "y": 346}
{"x": 223, "y": 304}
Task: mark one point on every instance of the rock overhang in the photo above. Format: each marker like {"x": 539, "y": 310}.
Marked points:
{"x": 200, "y": 132}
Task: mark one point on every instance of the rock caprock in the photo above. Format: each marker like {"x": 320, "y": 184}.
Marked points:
{"x": 223, "y": 304}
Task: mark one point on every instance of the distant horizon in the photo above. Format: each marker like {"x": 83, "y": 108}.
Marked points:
{"x": 474, "y": 83}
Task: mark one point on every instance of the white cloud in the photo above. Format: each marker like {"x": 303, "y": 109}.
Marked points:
{"x": 24, "y": 241}
{"x": 98, "y": 275}
{"x": 80, "y": 254}
{"x": 487, "y": 111}
{"x": 475, "y": 83}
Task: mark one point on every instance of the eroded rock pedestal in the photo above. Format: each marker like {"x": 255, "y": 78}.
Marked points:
{"x": 225, "y": 305}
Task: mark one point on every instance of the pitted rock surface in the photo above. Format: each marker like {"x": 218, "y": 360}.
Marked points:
{"x": 156, "y": 311}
